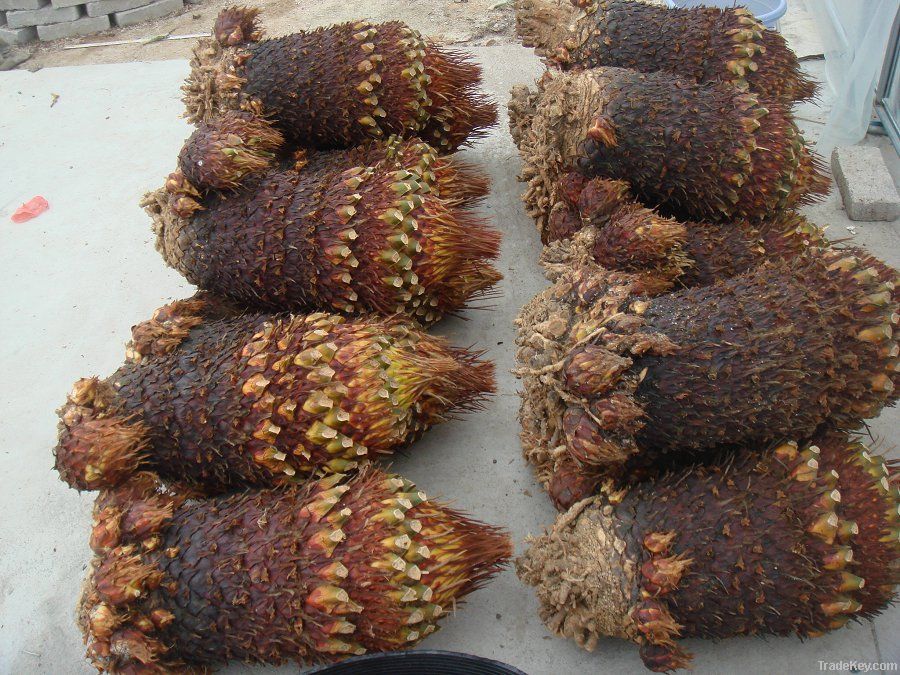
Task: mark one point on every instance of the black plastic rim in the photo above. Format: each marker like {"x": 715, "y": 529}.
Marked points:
{"x": 425, "y": 662}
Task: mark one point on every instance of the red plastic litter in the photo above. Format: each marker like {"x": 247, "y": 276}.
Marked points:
{"x": 30, "y": 209}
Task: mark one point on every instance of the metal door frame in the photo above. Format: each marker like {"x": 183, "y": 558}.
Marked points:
{"x": 890, "y": 123}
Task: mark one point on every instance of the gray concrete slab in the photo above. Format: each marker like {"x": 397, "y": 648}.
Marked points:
{"x": 75, "y": 279}
{"x": 103, "y": 7}
{"x": 865, "y": 183}
{"x": 23, "y": 4}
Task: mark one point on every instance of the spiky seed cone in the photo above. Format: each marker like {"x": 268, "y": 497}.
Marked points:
{"x": 608, "y": 228}
{"x": 614, "y": 379}
{"x": 220, "y": 153}
{"x": 386, "y": 229}
{"x": 596, "y": 222}
{"x": 636, "y": 240}
{"x": 706, "y": 44}
{"x": 312, "y": 573}
{"x": 758, "y": 543}
{"x": 583, "y": 201}
{"x": 704, "y": 152}
{"x": 358, "y": 81}
{"x": 260, "y": 400}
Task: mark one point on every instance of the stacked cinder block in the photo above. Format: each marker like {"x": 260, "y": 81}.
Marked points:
{"x": 12, "y": 35}
{"x": 22, "y": 21}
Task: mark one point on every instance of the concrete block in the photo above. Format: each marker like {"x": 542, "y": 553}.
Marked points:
{"x": 152, "y": 11}
{"x": 66, "y": 3}
{"x": 84, "y": 26}
{"x": 866, "y": 185}
{"x": 17, "y": 36}
{"x": 101, "y": 7}
{"x": 23, "y": 4}
{"x": 42, "y": 16}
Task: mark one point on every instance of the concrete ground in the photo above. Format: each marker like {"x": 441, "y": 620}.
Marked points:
{"x": 78, "y": 277}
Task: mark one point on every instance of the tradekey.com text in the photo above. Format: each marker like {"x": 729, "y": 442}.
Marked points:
{"x": 858, "y": 666}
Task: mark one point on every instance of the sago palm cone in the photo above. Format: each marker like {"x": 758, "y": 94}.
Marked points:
{"x": 785, "y": 540}
{"x": 338, "y": 86}
{"x": 598, "y": 224}
{"x": 707, "y": 44}
{"x": 386, "y": 227}
{"x": 698, "y": 151}
{"x": 620, "y": 383}
{"x": 306, "y": 574}
{"x": 220, "y": 401}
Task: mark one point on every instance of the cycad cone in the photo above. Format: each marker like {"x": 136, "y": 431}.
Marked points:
{"x": 257, "y": 400}
{"x": 706, "y": 44}
{"x": 616, "y": 381}
{"x": 336, "y": 567}
{"x": 598, "y": 224}
{"x": 384, "y": 228}
{"x": 703, "y": 152}
{"x": 794, "y": 540}
{"x": 358, "y": 82}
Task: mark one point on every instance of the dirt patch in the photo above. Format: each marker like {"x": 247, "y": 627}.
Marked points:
{"x": 460, "y": 22}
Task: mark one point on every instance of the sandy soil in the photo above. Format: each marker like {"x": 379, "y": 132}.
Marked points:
{"x": 468, "y": 22}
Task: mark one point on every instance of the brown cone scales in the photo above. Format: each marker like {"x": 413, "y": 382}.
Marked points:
{"x": 793, "y": 540}
{"x": 260, "y": 400}
{"x": 614, "y": 379}
{"x": 597, "y": 223}
{"x": 312, "y": 573}
{"x": 382, "y": 228}
{"x": 704, "y": 152}
{"x": 339, "y": 86}
{"x": 707, "y": 44}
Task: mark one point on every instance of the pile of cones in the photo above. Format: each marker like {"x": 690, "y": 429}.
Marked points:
{"x": 694, "y": 377}
{"x": 317, "y": 208}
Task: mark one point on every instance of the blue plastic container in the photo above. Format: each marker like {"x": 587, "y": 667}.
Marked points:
{"x": 767, "y": 11}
